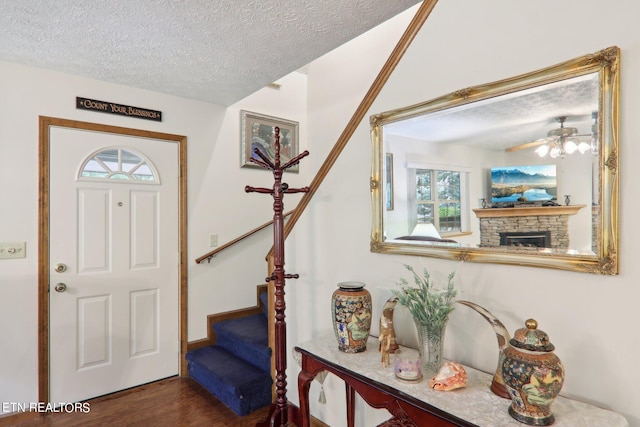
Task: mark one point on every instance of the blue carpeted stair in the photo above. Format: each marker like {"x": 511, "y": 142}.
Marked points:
{"x": 237, "y": 370}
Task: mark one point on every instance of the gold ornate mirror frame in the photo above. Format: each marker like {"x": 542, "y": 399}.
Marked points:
{"x": 604, "y": 259}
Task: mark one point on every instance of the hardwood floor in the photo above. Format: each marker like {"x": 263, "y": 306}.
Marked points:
{"x": 177, "y": 401}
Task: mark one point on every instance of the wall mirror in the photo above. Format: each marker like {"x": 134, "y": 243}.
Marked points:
{"x": 520, "y": 171}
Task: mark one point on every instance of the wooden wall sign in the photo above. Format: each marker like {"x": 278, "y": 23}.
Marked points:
{"x": 119, "y": 109}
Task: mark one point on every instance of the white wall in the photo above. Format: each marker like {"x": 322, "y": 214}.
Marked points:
{"x": 217, "y": 202}
{"x": 589, "y": 318}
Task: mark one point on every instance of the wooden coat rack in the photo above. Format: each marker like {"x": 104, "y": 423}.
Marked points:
{"x": 281, "y": 410}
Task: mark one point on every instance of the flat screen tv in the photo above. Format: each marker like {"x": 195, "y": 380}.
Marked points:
{"x": 517, "y": 184}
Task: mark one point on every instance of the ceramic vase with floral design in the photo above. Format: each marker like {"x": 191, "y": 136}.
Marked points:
{"x": 533, "y": 375}
{"x": 351, "y": 315}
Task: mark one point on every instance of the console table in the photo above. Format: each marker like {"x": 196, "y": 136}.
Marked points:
{"x": 415, "y": 404}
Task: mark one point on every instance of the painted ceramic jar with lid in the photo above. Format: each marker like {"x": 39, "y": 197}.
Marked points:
{"x": 533, "y": 375}
{"x": 351, "y": 315}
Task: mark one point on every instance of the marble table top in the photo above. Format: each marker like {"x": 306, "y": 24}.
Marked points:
{"x": 474, "y": 403}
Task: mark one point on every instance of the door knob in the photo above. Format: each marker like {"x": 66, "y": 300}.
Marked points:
{"x": 60, "y": 268}
{"x": 60, "y": 287}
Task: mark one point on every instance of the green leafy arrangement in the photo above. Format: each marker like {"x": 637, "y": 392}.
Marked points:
{"x": 427, "y": 305}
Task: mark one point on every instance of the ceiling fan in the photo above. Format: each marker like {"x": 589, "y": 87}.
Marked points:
{"x": 559, "y": 141}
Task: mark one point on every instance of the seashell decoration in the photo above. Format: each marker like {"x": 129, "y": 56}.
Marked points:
{"x": 449, "y": 377}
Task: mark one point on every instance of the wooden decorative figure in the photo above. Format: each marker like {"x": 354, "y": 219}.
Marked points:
{"x": 387, "y": 338}
{"x": 280, "y": 410}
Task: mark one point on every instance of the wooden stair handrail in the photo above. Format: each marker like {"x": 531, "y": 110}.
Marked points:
{"x": 214, "y": 252}
{"x": 394, "y": 58}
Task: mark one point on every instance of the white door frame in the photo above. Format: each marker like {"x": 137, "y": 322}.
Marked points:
{"x": 45, "y": 124}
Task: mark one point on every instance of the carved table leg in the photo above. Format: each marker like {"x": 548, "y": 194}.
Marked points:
{"x": 351, "y": 402}
{"x": 304, "y": 383}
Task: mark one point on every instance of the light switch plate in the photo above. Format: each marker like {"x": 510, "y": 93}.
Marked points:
{"x": 213, "y": 240}
{"x": 10, "y": 250}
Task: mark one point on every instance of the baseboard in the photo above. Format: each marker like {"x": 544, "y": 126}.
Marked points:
{"x": 227, "y": 315}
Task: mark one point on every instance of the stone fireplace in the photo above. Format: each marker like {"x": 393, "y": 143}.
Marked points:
{"x": 534, "y": 227}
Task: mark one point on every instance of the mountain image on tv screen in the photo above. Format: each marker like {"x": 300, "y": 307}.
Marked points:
{"x": 513, "y": 184}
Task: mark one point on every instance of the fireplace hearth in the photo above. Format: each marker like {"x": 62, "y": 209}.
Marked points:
{"x": 531, "y": 239}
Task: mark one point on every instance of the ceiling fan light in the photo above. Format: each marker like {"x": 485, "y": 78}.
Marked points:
{"x": 583, "y": 147}
{"x": 542, "y": 150}
{"x": 570, "y": 147}
{"x": 555, "y": 152}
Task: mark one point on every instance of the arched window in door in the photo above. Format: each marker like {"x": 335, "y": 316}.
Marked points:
{"x": 117, "y": 163}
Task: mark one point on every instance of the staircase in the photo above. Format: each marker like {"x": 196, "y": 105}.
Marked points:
{"x": 237, "y": 368}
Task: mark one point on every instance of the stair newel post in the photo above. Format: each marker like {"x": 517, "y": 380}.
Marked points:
{"x": 279, "y": 413}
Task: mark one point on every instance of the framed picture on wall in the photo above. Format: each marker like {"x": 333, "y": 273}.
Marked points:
{"x": 257, "y": 131}
{"x": 388, "y": 179}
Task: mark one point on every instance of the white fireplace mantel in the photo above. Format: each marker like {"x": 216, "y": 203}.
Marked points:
{"x": 527, "y": 211}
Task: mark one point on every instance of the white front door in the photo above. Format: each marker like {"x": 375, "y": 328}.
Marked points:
{"x": 114, "y": 258}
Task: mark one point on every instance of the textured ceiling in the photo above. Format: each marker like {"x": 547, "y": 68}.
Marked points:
{"x": 217, "y": 51}
{"x": 510, "y": 120}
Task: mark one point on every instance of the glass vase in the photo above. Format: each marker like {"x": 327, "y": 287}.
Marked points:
{"x": 431, "y": 342}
